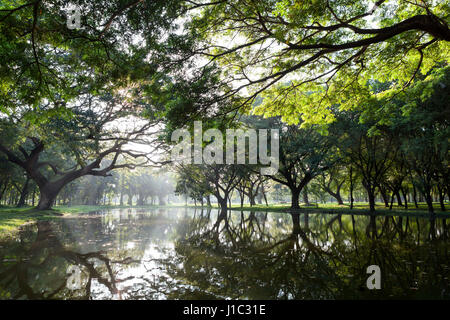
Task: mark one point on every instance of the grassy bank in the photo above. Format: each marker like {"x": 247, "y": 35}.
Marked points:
{"x": 12, "y": 218}
{"x": 358, "y": 208}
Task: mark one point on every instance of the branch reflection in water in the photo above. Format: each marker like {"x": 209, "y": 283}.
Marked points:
{"x": 203, "y": 254}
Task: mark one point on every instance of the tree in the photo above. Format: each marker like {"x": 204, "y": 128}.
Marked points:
{"x": 250, "y": 185}
{"x": 327, "y": 50}
{"x": 62, "y": 89}
{"x": 304, "y": 154}
{"x": 370, "y": 153}
{"x": 193, "y": 183}
{"x": 43, "y": 60}
{"x": 222, "y": 178}
{"x": 62, "y": 150}
{"x": 425, "y": 132}
{"x": 333, "y": 178}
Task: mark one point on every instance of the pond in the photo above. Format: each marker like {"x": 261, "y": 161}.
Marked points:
{"x": 184, "y": 253}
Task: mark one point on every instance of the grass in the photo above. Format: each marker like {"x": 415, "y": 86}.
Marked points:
{"x": 12, "y": 218}
{"x": 358, "y": 208}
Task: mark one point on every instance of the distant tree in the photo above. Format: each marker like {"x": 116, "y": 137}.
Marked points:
{"x": 332, "y": 181}
{"x": 304, "y": 154}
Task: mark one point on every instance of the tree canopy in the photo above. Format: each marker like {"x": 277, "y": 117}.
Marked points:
{"x": 306, "y": 56}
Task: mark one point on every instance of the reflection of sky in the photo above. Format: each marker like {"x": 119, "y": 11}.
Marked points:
{"x": 167, "y": 253}
{"x": 145, "y": 236}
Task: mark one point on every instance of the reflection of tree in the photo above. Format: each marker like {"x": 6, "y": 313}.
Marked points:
{"x": 47, "y": 252}
{"x": 218, "y": 254}
{"x": 242, "y": 256}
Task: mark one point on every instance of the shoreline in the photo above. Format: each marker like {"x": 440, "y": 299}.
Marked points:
{"x": 12, "y": 218}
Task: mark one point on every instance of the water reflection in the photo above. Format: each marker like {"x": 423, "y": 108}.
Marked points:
{"x": 201, "y": 254}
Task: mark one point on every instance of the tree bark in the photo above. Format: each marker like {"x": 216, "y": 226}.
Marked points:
{"x": 441, "y": 198}
{"x": 23, "y": 193}
{"x": 399, "y": 199}
{"x": 295, "y": 198}
{"x": 404, "y": 192}
{"x": 384, "y": 196}
{"x": 305, "y": 196}
{"x": 161, "y": 200}
{"x": 415, "y": 196}
{"x": 370, "y": 189}
{"x": 351, "y": 189}
{"x": 429, "y": 201}
{"x": 47, "y": 198}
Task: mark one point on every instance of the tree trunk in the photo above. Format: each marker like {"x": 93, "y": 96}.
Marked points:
{"x": 441, "y": 198}
{"x": 47, "y": 198}
{"x": 336, "y": 195}
{"x": 23, "y": 193}
{"x": 339, "y": 199}
{"x": 223, "y": 202}
{"x": 161, "y": 201}
{"x": 140, "y": 201}
{"x": 429, "y": 201}
{"x": 370, "y": 189}
{"x": 404, "y": 192}
{"x": 415, "y": 196}
{"x": 351, "y": 189}
{"x": 265, "y": 198}
{"x": 305, "y": 196}
{"x": 251, "y": 199}
{"x": 371, "y": 201}
{"x": 384, "y": 196}
{"x": 392, "y": 201}
{"x": 371, "y": 197}
{"x": 399, "y": 199}
{"x": 295, "y": 198}
{"x": 2, "y": 191}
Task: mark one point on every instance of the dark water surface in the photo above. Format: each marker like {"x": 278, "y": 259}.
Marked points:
{"x": 200, "y": 254}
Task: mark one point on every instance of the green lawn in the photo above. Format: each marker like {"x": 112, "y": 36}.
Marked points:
{"x": 12, "y": 218}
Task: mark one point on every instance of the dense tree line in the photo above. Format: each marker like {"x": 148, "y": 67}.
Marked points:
{"x": 139, "y": 187}
{"x": 360, "y": 108}
{"x": 398, "y": 155}
{"x": 393, "y": 148}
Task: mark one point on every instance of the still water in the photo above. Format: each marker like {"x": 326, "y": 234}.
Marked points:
{"x": 201, "y": 254}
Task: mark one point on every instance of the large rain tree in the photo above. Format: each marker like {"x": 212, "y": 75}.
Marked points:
{"x": 326, "y": 50}
{"x": 45, "y": 59}
{"x": 66, "y": 90}
{"x": 95, "y": 141}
